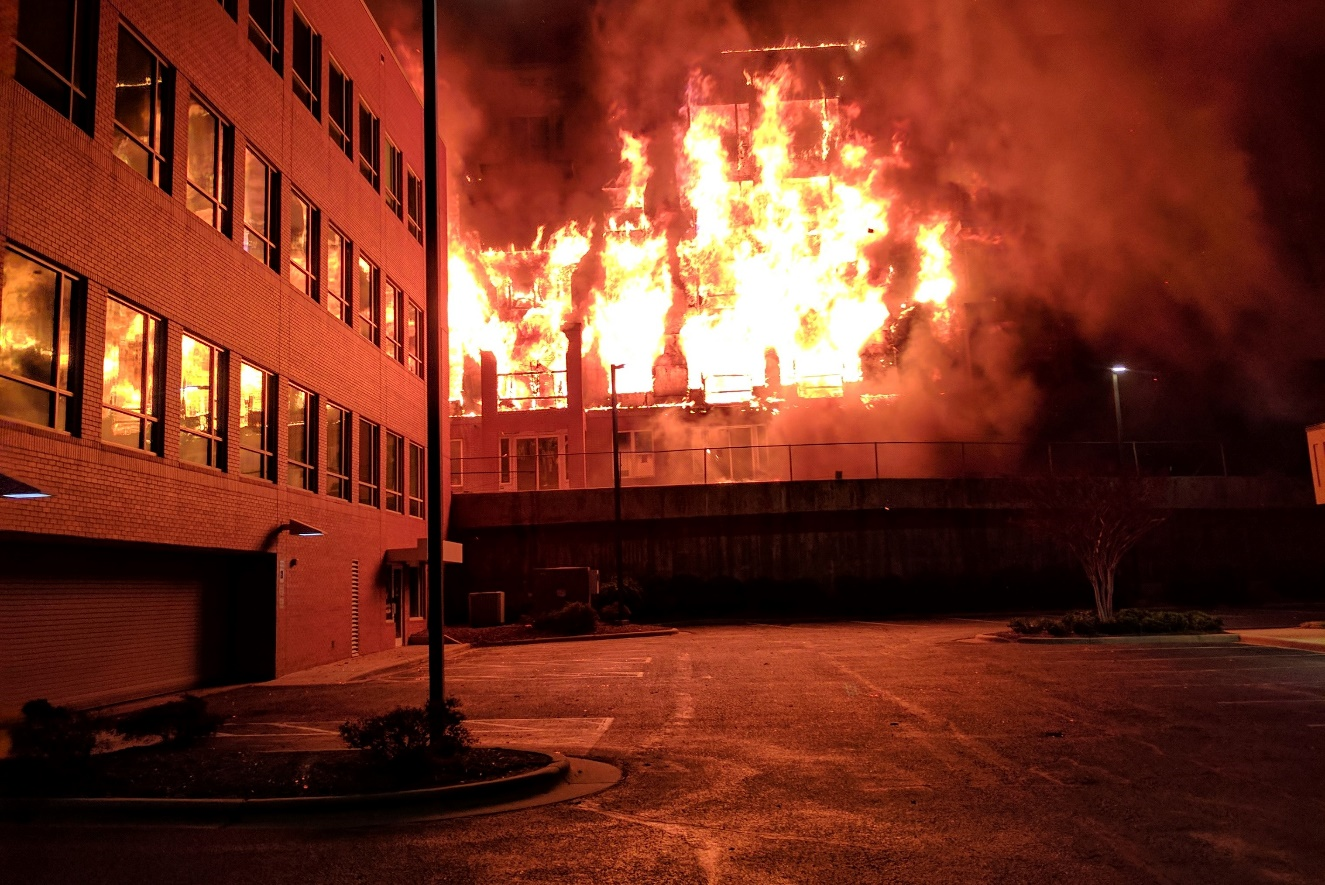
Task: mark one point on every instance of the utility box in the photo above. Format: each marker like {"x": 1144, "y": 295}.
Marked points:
{"x": 487, "y": 609}
{"x": 551, "y": 588}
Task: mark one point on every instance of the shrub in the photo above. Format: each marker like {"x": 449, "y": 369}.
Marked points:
{"x": 57, "y": 734}
{"x": 403, "y": 738}
{"x": 572, "y": 619}
{"x": 1201, "y": 622}
{"x": 179, "y": 723}
{"x": 1022, "y": 626}
{"x": 615, "y": 604}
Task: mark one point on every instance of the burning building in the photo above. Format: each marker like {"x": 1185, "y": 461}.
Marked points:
{"x": 760, "y": 292}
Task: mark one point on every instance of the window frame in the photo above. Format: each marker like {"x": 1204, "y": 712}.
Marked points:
{"x": 305, "y": 469}
{"x": 221, "y": 201}
{"x": 393, "y": 339}
{"x": 393, "y": 171}
{"x": 414, "y": 200}
{"x": 78, "y": 83}
{"x": 457, "y": 463}
{"x": 368, "y": 320}
{"x": 339, "y": 478}
{"x": 159, "y": 147}
{"x": 416, "y": 349}
{"x": 370, "y": 463}
{"x": 393, "y": 479}
{"x": 267, "y": 238}
{"x": 304, "y": 276}
{"x": 339, "y": 299}
{"x": 416, "y": 489}
{"x": 265, "y": 450}
{"x": 341, "y": 130}
{"x": 308, "y": 93}
{"x": 270, "y": 44}
{"x": 151, "y": 381}
{"x": 67, "y": 345}
{"x": 215, "y": 437}
{"x": 370, "y": 145}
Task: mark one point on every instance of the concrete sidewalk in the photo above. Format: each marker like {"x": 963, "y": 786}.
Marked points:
{"x": 356, "y": 668}
{"x": 1304, "y": 638}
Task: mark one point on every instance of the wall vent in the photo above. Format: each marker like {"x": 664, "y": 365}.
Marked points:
{"x": 354, "y": 608}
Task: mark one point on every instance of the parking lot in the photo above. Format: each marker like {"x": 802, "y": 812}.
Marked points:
{"x": 843, "y": 752}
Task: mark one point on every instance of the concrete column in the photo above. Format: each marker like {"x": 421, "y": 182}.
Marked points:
{"x": 575, "y": 417}
{"x": 489, "y": 427}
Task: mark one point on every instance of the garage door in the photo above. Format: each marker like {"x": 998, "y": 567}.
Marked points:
{"x": 86, "y": 645}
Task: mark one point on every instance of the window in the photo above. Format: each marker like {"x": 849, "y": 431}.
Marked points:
{"x": 143, "y": 118}
{"x": 369, "y": 462}
{"x": 36, "y": 343}
{"x": 414, "y": 204}
{"x": 457, "y": 463}
{"x": 262, "y": 187}
{"x": 395, "y": 472}
{"x": 200, "y": 403}
{"x": 370, "y": 286}
{"x": 57, "y": 55}
{"x": 211, "y": 144}
{"x": 338, "y": 279}
{"x": 131, "y": 378}
{"x": 530, "y": 462}
{"x": 340, "y": 108}
{"x": 414, "y": 335}
{"x": 338, "y": 453}
{"x": 257, "y": 446}
{"x": 304, "y": 223}
{"x": 636, "y": 448}
{"x": 393, "y": 315}
{"x": 231, "y": 8}
{"x": 301, "y": 439}
{"x": 418, "y": 472}
{"x": 306, "y": 64}
{"x": 265, "y": 18}
{"x": 370, "y": 157}
{"x": 395, "y": 173}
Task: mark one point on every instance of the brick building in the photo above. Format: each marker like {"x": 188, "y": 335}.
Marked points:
{"x": 211, "y": 344}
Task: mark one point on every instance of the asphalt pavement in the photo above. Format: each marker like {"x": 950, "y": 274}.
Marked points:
{"x": 816, "y": 753}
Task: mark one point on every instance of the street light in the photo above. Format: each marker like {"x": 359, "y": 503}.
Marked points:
{"x": 616, "y": 488}
{"x": 19, "y": 490}
{"x": 1115, "y": 371}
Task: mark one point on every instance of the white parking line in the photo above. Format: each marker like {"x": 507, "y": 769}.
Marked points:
{"x": 460, "y": 677}
{"x": 1275, "y": 701}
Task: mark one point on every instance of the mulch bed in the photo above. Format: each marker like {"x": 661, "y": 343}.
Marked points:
{"x": 508, "y": 633}
{"x": 202, "y": 773}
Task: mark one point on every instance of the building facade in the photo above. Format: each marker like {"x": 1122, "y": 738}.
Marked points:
{"x": 211, "y": 344}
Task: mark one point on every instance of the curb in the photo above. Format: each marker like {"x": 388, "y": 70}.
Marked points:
{"x": 1276, "y": 642}
{"x": 1129, "y": 639}
{"x": 669, "y": 631}
{"x": 525, "y": 783}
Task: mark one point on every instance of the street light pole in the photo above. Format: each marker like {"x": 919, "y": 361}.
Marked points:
{"x": 1115, "y": 371}
{"x": 616, "y": 488}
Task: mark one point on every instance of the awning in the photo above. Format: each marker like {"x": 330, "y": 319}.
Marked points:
{"x": 452, "y": 551}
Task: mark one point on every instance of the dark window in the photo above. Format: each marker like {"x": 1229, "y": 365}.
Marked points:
{"x": 36, "y": 343}
{"x": 131, "y": 378}
{"x": 370, "y": 463}
{"x": 304, "y": 223}
{"x": 395, "y": 472}
{"x": 306, "y": 64}
{"x": 265, "y": 18}
{"x": 257, "y": 439}
{"x": 301, "y": 439}
{"x": 200, "y": 403}
{"x": 414, "y": 205}
{"x": 393, "y": 316}
{"x": 457, "y": 463}
{"x": 340, "y": 108}
{"x": 339, "y": 430}
{"x": 231, "y": 8}
{"x": 211, "y": 145}
{"x": 370, "y": 295}
{"x": 262, "y": 188}
{"x": 370, "y": 156}
{"x": 143, "y": 110}
{"x": 338, "y": 275}
{"x": 57, "y": 54}
{"x": 418, "y": 470}
{"x": 395, "y": 184}
{"x": 414, "y": 333}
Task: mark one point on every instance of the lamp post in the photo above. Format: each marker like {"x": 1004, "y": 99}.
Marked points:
{"x": 1115, "y": 371}
{"x": 616, "y": 486}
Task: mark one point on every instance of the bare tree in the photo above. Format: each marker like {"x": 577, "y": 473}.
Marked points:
{"x": 1097, "y": 520}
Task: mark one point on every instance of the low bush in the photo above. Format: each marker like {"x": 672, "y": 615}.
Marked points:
{"x": 179, "y": 723}
{"x": 616, "y": 604}
{"x": 572, "y": 619}
{"x": 56, "y": 734}
{"x": 403, "y": 737}
{"x": 1125, "y": 622}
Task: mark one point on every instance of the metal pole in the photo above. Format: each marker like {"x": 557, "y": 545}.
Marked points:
{"x": 1118, "y": 417}
{"x": 616, "y": 484}
{"x": 435, "y": 354}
